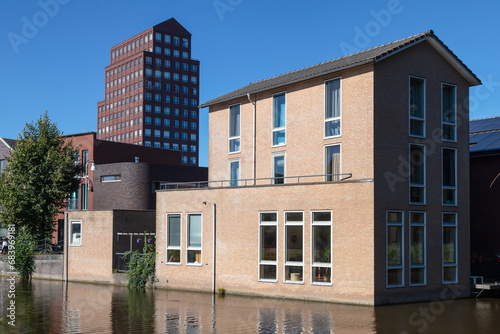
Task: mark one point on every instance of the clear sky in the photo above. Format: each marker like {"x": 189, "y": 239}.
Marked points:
{"x": 59, "y": 65}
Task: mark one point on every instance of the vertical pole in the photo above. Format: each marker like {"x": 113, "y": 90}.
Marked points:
{"x": 214, "y": 250}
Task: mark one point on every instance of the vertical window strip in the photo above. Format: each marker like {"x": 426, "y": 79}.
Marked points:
{"x": 394, "y": 250}
{"x": 234, "y": 172}
{"x": 268, "y": 246}
{"x": 449, "y": 176}
{"x": 417, "y": 107}
{"x": 279, "y": 119}
{"x": 417, "y": 174}
{"x": 194, "y": 238}
{"x": 418, "y": 252}
{"x": 294, "y": 247}
{"x": 449, "y": 112}
{"x": 332, "y": 108}
{"x": 321, "y": 247}
{"x": 279, "y": 168}
{"x": 234, "y": 129}
{"x": 450, "y": 247}
{"x": 332, "y": 163}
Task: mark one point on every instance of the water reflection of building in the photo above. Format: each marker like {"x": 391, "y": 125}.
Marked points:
{"x": 346, "y": 181}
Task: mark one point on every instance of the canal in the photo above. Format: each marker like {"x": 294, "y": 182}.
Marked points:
{"x": 56, "y": 307}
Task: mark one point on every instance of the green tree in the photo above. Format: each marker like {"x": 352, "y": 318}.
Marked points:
{"x": 24, "y": 246}
{"x": 141, "y": 266}
{"x": 41, "y": 173}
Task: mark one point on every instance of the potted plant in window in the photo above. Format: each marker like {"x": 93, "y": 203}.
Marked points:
{"x": 326, "y": 259}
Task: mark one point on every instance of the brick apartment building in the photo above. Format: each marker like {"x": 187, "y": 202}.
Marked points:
{"x": 485, "y": 198}
{"x": 151, "y": 92}
{"x": 345, "y": 181}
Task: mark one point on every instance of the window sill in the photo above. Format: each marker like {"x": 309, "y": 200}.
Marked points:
{"x": 332, "y": 137}
{"x": 294, "y": 282}
{"x": 322, "y": 284}
{"x": 172, "y": 263}
{"x": 267, "y": 281}
{"x": 194, "y": 264}
{"x": 418, "y": 285}
{"x": 236, "y": 152}
{"x": 279, "y": 145}
{"x": 394, "y": 286}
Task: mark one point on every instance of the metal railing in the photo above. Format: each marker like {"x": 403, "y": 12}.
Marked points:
{"x": 277, "y": 181}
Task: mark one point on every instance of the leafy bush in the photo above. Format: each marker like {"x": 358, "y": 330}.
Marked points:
{"x": 141, "y": 267}
{"x": 24, "y": 247}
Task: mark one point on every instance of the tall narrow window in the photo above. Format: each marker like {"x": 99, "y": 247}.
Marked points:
{"x": 332, "y": 108}
{"x": 279, "y": 115}
{"x": 449, "y": 112}
{"x": 417, "y": 174}
{"x": 417, "y": 107}
{"x": 234, "y": 172}
{"x": 174, "y": 238}
{"x": 278, "y": 168}
{"x": 417, "y": 248}
{"x": 449, "y": 248}
{"x": 268, "y": 241}
{"x": 332, "y": 163}
{"x": 75, "y": 233}
{"x": 2, "y": 166}
{"x": 395, "y": 263}
{"x": 85, "y": 159}
{"x": 234, "y": 128}
{"x": 85, "y": 197}
{"x": 321, "y": 247}
{"x": 294, "y": 246}
{"x": 449, "y": 177}
{"x": 73, "y": 200}
{"x": 194, "y": 228}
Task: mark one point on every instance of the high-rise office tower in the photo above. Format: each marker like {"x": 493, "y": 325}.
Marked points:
{"x": 152, "y": 90}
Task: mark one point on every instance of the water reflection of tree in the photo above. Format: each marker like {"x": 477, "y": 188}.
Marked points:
{"x": 133, "y": 312}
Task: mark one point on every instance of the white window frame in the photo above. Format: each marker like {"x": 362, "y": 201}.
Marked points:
{"x": 229, "y": 131}
{"x": 293, "y": 263}
{"x": 321, "y": 264}
{"x": 455, "y": 188}
{"x": 191, "y": 248}
{"x": 268, "y": 262}
{"x": 402, "y": 266}
{"x": 424, "y": 265}
{"x": 455, "y": 225}
{"x": 424, "y": 186}
{"x": 330, "y": 119}
{"x": 237, "y": 180}
{"x": 454, "y": 124}
{"x": 71, "y": 223}
{"x": 273, "y": 165}
{"x": 282, "y": 128}
{"x": 410, "y": 117}
{"x": 176, "y": 248}
{"x": 325, "y": 167}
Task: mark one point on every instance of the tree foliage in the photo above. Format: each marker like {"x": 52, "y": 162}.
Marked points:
{"x": 40, "y": 175}
{"x": 141, "y": 266}
{"x": 24, "y": 247}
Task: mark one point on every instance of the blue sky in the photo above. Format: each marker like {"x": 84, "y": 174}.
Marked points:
{"x": 59, "y": 67}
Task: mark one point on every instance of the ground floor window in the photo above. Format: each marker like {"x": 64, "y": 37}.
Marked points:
{"x": 395, "y": 263}
{"x": 194, "y": 234}
{"x": 294, "y": 246}
{"x": 449, "y": 247}
{"x": 268, "y": 241}
{"x": 417, "y": 248}
{"x": 321, "y": 243}
{"x": 75, "y": 233}
{"x": 174, "y": 238}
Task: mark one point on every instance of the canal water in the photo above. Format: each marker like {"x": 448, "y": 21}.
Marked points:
{"x": 56, "y": 307}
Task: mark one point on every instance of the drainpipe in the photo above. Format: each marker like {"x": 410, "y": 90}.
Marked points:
{"x": 214, "y": 249}
{"x": 65, "y": 249}
{"x": 254, "y": 137}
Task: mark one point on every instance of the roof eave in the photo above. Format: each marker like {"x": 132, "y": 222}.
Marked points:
{"x": 239, "y": 96}
{"x": 5, "y": 143}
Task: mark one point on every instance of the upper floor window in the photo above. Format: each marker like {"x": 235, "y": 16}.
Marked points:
{"x": 279, "y": 168}
{"x": 185, "y": 42}
{"x": 449, "y": 176}
{"x": 2, "y": 166}
{"x": 332, "y": 108}
{"x": 449, "y": 112}
{"x": 417, "y": 107}
{"x": 332, "y": 163}
{"x": 176, "y": 40}
{"x": 394, "y": 250}
{"x": 279, "y": 115}
{"x": 417, "y": 174}
{"x": 234, "y": 172}
{"x": 234, "y": 128}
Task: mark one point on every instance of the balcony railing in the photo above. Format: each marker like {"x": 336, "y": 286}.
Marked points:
{"x": 282, "y": 180}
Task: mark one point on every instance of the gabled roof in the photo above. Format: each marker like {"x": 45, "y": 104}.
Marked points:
{"x": 356, "y": 59}
{"x": 172, "y": 25}
{"x": 10, "y": 143}
{"x": 484, "y": 136}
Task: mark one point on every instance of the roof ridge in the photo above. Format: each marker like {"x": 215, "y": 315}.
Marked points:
{"x": 422, "y": 34}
